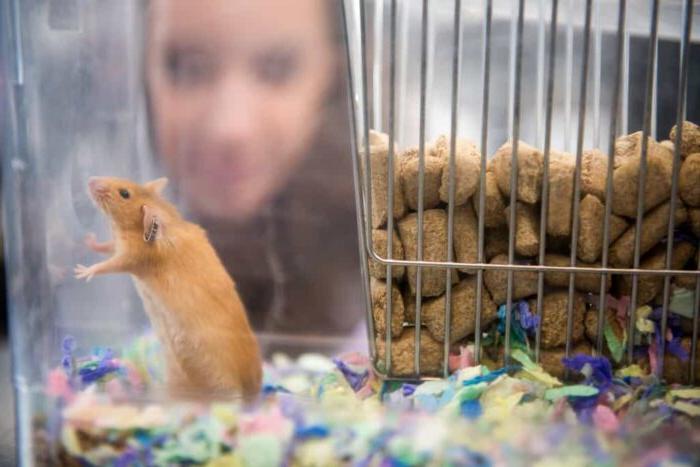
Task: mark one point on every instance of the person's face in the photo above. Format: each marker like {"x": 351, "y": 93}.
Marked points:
{"x": 236, "y": 89}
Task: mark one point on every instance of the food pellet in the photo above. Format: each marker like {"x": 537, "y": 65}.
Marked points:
{"x": 654, "y": 228}
{"x": 594, "y": 173}
{"x": 379, "y": 243}
{"x": 494, "y": 204}
{"x": 561, "y": 193}
{"x": 583, "y": 282}
{"x": 554, "y": 318}
{"x": 379, "y": 306}
{"x": 530, "y": 169}
{"x": 690, "y": 138}
{"x": 689, "y": 180}
{"x": 403, "y": 354}
{"x": 495, "y": 243}
{"x": 467, "y": 167}
{"x": 527, "y": 237}
{"x": 379, "y": 157}
{"x": 432, "y": 177}
{"x": 626, "y": 178}
{"x": 650, "y": 285}
{"x": 466, "y": 235}
{"x": 590, "y": 234}
{"x": 463, "y": 312}
{"x": 434, "y": 249}
{"x": 524, "y": 282}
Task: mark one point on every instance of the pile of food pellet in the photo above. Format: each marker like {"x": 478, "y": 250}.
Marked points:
{"x": 559, "y": 238}
{"x": 320, "y": 411}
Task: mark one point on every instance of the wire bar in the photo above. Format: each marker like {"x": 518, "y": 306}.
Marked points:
{"x": 643, "y": 173}
{"x": 545, "y": 175}
{"x": 421, "y": 178}
{"x": 456, "y": 53}
{"x": 577, "y": 173}
{"x": 514, "y": 173}
{"x": 614, "y": 118}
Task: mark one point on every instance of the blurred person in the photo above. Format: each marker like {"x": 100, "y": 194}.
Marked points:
{"x": 248, "y": 116}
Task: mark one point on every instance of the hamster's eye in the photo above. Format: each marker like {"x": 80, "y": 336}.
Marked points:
{"x": 124, "y": 193}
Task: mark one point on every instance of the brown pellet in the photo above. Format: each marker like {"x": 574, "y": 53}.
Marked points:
{"x": 554, "y": 318}
{"x": 685, "y": 282}
{"x": 379, "y": 157}
{"x": 626, "y": 177}
{"x": 530, "y": 170}
{"x": 524, "y": 282}
{"x": 594, "y": 173}
{"x": 403, "y": 354}
{"x": 434, "y": 249}
{"x": 379, "y": 306}
{"x": 650, "y": 285}
{"x": 690, "y": 138}
{"x": 561, "y": 193}
{"x": 463, "y": 312}
{"x": 527, "y": 237}
{"x": 495, "y": 243}
{"x": 689, "y": 180}
{"x": 668, "y": 144}
{"x": 494, "y": 204}
{"x": 467, "y": 166}
{"x": 583, "y": 282}
{"x": 654, "y": 228}
{"x": 590, "y": 234}
{"x": 379, "y": 243}
{"x": 466, "y": 235}
{"x": 432, "y": 176}
{"x": 675, "y": 370}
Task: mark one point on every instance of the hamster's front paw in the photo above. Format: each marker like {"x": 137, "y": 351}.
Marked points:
{"x": 84, "y": 272}
{"x": 91, "y": 242}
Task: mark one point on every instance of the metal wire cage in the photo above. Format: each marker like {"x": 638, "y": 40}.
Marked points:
{"x": 518, "y": 71}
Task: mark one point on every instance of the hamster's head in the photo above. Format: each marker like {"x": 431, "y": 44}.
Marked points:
{"x": 127, "y": 203}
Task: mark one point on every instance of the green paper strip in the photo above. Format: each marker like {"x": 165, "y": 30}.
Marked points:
{"x": 577, "y": 390}
{"x": 682, "y": 302}
{"x": 470, "y": 392}
{"x": 523, "y": 359}
{"x": 617, "y": 348}
{"x": 534, "y": 370}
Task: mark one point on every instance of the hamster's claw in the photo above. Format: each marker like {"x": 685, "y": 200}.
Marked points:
{"x": 84, "y": 272}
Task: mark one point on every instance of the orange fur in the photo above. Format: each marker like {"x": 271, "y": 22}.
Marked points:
{"x": 188, "y": 296}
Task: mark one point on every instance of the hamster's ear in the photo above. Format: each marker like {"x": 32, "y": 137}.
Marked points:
{"x": 156, "y": 186}
{"x": 152, "y": 224}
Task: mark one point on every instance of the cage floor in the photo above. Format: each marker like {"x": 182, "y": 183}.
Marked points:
{"x": 321, "y": 411}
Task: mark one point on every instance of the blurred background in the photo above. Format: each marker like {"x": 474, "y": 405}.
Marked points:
{"x": 298, "y": 288}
